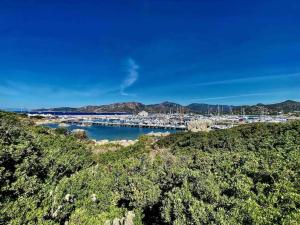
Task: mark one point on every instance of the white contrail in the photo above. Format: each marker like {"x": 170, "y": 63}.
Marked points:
{"x": 132, "y": 75}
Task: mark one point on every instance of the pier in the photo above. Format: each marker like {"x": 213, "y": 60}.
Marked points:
{"x": 154, "y": 126}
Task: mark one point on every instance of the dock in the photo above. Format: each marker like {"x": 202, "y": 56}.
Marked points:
{"x": 116, "y": 124}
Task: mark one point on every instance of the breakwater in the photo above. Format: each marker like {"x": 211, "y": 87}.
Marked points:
{"x": 118, "y": 124}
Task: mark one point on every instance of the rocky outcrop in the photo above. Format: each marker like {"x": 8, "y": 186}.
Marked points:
{"x": 80, "y": 133}
{"x": 127, "y": 220}
{"x": 123, "y": 143}
{"x": 199, "y": 125}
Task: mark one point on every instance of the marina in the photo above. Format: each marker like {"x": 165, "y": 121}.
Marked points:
{"x": 175, "y": 121}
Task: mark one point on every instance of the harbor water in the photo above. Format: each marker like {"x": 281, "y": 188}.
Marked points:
{"x": 113, "y": 132}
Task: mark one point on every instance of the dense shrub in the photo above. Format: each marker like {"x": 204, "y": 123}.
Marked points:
{"x": 32, "y": 161}
{"x": 245, "y": 175}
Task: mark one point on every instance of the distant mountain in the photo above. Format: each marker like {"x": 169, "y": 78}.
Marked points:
{"x": 282, "y": 107}
{"x": 286, "y": 106}
{"x": 208, "y": 109}
{"x": 130, "y": 107}
{"x": 58, "y": 109}
{"x": 166, "y": 107}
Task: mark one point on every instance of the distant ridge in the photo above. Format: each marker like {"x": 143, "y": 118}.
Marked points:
{"x": 201, "y": 108}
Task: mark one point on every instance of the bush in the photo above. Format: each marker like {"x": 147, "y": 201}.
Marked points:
{"x": 245, "y": 175}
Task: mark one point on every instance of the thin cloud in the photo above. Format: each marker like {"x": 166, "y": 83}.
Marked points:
{"x": 12, "y": 88}
{"x": 7, "y": 91}
{"x": 239, "y": 96}
{"x": 132, "y": 75}
{"x": 246, "y": 79}
{"x": 233, "y": 96}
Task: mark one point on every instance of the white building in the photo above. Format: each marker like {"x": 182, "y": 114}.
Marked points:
{"x": 143, "y": 114}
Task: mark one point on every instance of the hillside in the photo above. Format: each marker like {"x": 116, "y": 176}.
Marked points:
{"x": 245, "y": 175}
{"x": 284, "y": 107}
{"x": 210, "y": 109}
{"x": 132, "y": 107}
{"x": 166, "y": 107}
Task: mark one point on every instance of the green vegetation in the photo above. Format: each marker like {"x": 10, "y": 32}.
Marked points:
{"x": 245, "y": 175}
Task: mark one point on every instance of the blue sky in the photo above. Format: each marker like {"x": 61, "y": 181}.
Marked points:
{"x": 74, "y": 53}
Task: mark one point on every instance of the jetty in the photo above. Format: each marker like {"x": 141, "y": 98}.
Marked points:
{"x": 121, "y": 124}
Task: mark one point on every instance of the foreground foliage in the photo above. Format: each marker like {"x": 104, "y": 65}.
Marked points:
{"x": 245, "y": 175}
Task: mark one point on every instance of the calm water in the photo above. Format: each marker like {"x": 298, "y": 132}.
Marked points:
{"x": 113, "y": 133}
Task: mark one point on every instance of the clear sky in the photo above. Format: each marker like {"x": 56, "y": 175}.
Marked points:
{"x": 75, "y": 52}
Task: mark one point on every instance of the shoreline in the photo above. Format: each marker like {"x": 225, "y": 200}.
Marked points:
{"x": 106, "y": 141}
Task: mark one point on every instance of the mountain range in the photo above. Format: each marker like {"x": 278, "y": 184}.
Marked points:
{"x": 201, "y": 108}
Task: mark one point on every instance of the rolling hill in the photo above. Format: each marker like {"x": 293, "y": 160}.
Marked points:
{"x": 201, "y": 108}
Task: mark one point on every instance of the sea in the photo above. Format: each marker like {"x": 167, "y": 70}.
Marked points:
{"x": 113, "y": 132}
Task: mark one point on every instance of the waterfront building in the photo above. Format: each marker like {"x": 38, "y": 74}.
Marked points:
{"x": 143, "y": 114}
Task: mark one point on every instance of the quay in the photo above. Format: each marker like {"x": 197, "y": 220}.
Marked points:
{"x": 141, "y": 125}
